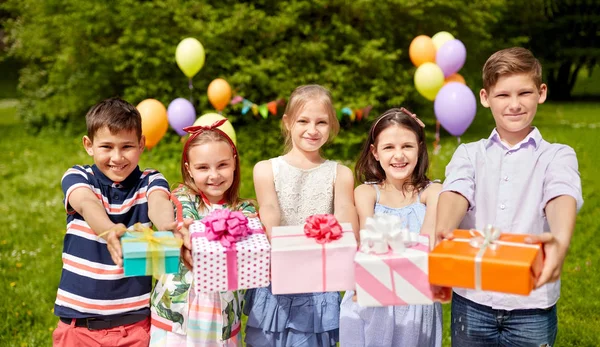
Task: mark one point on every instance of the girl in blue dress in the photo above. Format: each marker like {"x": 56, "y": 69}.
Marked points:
{"x": 394, "y": 162}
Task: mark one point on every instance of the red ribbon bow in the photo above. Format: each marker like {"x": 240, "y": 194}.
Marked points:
{"x": 196, "y": 130}
{"x": 323, "y": 227}
{"x": 226, "y": 226}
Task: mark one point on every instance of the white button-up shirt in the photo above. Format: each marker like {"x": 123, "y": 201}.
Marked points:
{"x": 509, "y": 188}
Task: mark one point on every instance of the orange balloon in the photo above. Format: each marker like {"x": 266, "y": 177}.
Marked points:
{"x": 455, "y": 78}
{"x": 219, "y": 93}
{"x": 421, "y": 50}
{"x": 154, "y": 121}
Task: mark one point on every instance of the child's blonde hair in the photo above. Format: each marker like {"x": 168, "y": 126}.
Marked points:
{"x": 510, "y": 61}
{"x": 299, "y": 98}
{"x": 209, "y": 136}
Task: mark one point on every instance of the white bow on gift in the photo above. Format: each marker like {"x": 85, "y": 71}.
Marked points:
{"x": 483, "y": 240}
{"x": 385, "y": 232}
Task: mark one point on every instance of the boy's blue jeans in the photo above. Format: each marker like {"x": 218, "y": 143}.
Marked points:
{"x": 478, "y": 325}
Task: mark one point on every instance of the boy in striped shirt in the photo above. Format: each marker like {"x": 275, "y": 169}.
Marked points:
{"x": 96, "y": 304}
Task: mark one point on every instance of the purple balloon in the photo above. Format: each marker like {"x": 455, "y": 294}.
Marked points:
{"x": 451, "y": 57}
{"x": 181, "y": 114}
{"x": 455, "y": 107}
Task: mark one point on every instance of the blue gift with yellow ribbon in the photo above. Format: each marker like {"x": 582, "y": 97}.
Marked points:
{"x": 150, "y": 253}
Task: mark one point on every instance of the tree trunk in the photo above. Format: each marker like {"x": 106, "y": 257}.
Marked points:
{"x": 561, "y": 81}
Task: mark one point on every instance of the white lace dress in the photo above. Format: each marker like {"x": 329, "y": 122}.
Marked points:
{"x": 310, "y": 319}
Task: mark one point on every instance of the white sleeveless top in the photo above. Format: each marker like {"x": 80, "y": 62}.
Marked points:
{"x": 302, "y": 193}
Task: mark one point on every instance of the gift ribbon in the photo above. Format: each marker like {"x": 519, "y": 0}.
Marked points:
{"x": 155, "y": 251}
{"x": 226, "y": 226}
{"x": 324, "y": 228}
{"x": 228, "y": 242}
{"x": 383, "y": 233}
{"x": 489, "y": 238}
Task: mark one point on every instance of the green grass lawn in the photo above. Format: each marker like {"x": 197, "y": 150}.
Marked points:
{"x": 32, "y": 217}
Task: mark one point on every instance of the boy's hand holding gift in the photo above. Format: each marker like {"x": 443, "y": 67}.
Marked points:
{"x": 391, "y": 266}
{"x": 486, "y": 260}
{"x": 112, "y": 237}
{"x": 147, "y": 252}
{"x": 230, "y": 252}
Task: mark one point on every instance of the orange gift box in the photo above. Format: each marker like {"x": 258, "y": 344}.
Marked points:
{"x": 503, "y": 264}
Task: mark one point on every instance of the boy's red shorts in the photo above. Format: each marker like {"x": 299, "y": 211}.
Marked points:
{"x": 132, "y": 335}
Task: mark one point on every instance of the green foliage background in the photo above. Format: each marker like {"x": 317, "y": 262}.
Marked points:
{"x": 77, "y": 52}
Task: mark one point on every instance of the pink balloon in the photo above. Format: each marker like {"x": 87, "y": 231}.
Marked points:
{"x": 451, "y": 57}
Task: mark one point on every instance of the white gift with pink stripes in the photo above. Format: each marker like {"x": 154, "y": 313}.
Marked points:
{"x": 394, "y": 278}
{"x": 246, "y": 264}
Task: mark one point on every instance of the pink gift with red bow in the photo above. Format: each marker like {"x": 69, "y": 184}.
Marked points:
{"x": 315, "y": 257}
{"x": 230, "y": 252}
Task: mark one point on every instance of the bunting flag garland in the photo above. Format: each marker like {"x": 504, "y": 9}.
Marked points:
{"x": 272, "y": 107}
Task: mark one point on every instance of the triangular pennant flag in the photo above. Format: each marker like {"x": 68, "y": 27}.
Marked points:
{"x": 339, "y": 115}
{"x": 352, "y": 116}
{"x": 272, "y": 106}
{"x": 359, "y": 114}
{"x": 366, "y": 111}
{"x": 264, "y": 112}
{"x": 255, "y": 109}
{"x": 236, "y": 100}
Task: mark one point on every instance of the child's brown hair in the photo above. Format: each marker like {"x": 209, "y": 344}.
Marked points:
{"x": 368, "y": 169}
{"x": 510, "y": 61}
{"x": 116, "y": 114}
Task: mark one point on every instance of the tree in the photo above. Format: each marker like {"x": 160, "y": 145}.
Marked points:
{"x": 563, "y": 34}
{"x": 77, "y": 52}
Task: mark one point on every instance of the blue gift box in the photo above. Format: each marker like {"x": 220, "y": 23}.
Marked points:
{"x": 137, "y": 260}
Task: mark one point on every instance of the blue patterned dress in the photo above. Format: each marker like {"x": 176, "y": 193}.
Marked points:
{"x": 406, "y": 326}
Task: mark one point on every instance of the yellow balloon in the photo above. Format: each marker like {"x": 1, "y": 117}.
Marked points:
{"x": 154, "y": 121}
{"x": 429, "y": 79}
{"x": 190, "y": 56}
{"x": 210, "y": 118}
{"x": 440, "y": 38}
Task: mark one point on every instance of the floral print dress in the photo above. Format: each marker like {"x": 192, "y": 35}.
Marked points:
{"x": 182, "y": 317}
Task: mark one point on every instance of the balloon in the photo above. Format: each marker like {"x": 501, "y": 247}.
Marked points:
{"x": 181, "y": 114}
{"x": 190, "y": 56}
{"x": 455, "y": 107}
{"x": 154, "y": 121}
{"x": 429, "y": 78}
{"x": 209, "y": 119}
{"x": 451, "y": 57}
{"x": 440, "y": 38}
{"x": 421, "y": 50}
{"x": 455, "y": 78}
{"x": 219, "y": 93}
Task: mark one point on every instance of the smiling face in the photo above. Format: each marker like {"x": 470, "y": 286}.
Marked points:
{"x": 397, "y": 150}
{"x": 212, "y": 168}
{"x": 513, "y": 101}
{"x": 310, "y": 130}
{"x": 116, "y": 155}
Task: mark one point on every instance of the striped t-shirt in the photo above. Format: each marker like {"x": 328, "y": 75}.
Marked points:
{"x": 91, "y": 285}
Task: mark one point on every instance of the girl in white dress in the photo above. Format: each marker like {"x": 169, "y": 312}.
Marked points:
{"x": 289, "y": 189}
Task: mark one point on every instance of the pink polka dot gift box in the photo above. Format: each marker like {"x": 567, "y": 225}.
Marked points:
{"x": 315, "y": 257}
{"x": 230, "y": 252}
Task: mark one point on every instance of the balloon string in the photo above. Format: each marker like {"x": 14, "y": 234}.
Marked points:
{"x": 458, "y": 138}
{"x": 191, "y": 86}
{"x": 436, "y": 143}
